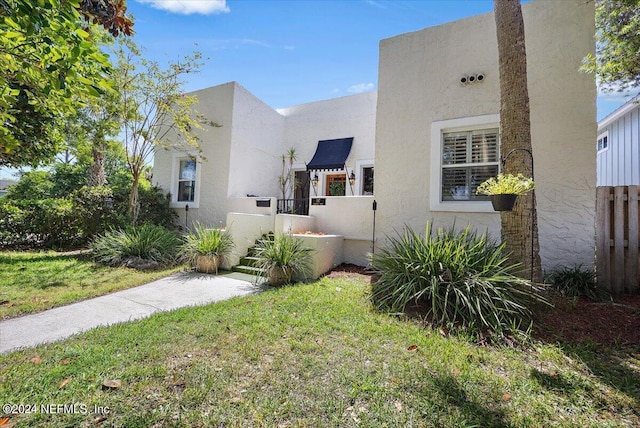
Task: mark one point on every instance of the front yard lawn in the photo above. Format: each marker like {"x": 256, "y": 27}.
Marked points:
{"x": 313, "y": 355}
{"x": 35, "y": 281}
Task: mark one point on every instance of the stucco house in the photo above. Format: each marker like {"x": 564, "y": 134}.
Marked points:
{"x": 430, "y": 133}
{"x": 618, "y": 146}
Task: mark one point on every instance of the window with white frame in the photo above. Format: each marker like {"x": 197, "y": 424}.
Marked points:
{"x": 603, "y": 141}
{"x": 186, "y": 191}
{"x": 468, "y": 158}
{"x": 367, "y": 180}
{"x": 465, "y": 151}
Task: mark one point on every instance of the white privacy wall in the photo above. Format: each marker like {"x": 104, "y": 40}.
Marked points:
{"x": 419, "y": 84}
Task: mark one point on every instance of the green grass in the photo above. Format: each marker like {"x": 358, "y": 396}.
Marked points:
{"x": 315, "y": 355}
{"x": 35, "y": 281}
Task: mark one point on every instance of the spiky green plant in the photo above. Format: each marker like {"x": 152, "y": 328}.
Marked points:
{"x": 459, "y": 278}
{"x": 576, "y": 281}
{"x": 205, "y": 241}
{"x": 148, "y": 242}
{"x": 284, "y": 255}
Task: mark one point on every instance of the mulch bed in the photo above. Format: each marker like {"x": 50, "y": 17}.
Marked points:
{"x": 613, "y": 322}
{"x": 609, "y": 323}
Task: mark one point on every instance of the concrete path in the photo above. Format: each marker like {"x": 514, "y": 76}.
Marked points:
{"x": 176, "y": 291}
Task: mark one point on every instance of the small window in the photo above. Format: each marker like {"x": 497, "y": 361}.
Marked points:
{"x": 468, "y": 159}
{"x": 367, "y": 180}
{"x": 603, "y": 142}
{"x": 187, "y": 181}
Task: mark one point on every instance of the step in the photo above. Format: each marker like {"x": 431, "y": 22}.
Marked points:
{"x": 248, "y": 270}
{"x": 249, "y": 261}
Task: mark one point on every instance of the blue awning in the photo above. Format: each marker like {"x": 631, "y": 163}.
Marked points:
{"x": 331, "y": 154}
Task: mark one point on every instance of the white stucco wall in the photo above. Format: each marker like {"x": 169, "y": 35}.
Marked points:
{"x": 211, "y": 205}
{"x": 419, "y": 84}
{"x": 351, "y": 217}
{"x": 257, "y": 142}
{"x": 350, "y": 116}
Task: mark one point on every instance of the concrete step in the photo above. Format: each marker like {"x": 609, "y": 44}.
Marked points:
{"x": 250, "y": 270}
{"x": 249, "y": 261}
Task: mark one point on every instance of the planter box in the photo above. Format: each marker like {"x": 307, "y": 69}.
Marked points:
{"x": 328, "y": 251}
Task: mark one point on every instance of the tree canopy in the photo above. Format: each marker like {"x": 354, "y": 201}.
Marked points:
{"x": 50, "y": 64}
{"x": 617, "y": 58}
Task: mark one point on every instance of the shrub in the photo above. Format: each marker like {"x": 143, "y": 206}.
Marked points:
{"x": 93, "y": 206}
{"x": 575, "y": 282}
{"x": 48, "y": 223}
{"x": 283, "y": 258}
{"x": 205, "y": 242}
{"x": 147, "y": 242}
{"x": 459, "y": 279}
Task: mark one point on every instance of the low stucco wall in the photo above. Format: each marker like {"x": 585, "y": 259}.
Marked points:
{"x": 249, "y": 205}
{"x": 327, "y": 251}
{"x": 351, "y": 217}
{"x": 244, "y": 230}
{"x": 292, "y": 223}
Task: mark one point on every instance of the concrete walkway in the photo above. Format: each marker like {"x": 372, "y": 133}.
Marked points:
{"x": 176, "y": 291}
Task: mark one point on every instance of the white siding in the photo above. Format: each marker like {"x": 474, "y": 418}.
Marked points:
{"x": 619, "y": 165}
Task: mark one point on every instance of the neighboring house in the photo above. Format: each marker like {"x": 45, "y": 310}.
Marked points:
{"x": 432, "y": 138}
{"x": 618, "y": 146}
{"x": 4, "y": 186}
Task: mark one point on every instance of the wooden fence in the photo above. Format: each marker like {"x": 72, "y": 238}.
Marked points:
{"x": 617, "y": 238}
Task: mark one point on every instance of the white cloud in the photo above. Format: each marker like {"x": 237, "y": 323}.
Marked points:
{"x": 187, "y": 7}
{"x": 360, "y": 87}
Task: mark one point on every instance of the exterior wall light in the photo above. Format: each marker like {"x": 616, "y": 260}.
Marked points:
{"x": 352, "y": 180}
{"x": 314, "y": 181}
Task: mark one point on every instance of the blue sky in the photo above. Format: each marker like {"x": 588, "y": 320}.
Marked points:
{"x": 292, "y": 52}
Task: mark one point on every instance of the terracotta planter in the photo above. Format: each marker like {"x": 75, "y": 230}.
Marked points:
{"x": 503, "y": 202}
{"x": 207, "y": 264}
{"x": 279, "y": 276}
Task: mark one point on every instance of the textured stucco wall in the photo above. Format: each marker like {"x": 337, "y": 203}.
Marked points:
{"x": 216, "y": 103}
{"x": 350, "y": 116}
{"x": 256, "y": 147}
{"x": 419, "y": 84}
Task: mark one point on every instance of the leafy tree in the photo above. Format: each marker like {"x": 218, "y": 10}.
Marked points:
{"x": 617, "y": 58}
{"x": 515, "y": 135}
{"x": 154, "y": 110}
{"x": 49, "y": 65}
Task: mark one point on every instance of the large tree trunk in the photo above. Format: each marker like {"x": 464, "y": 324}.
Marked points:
{"x": 96, "y": 174}
{"x": 520, "y": 226}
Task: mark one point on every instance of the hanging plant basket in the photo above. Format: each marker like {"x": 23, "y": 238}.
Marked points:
{"x": 503, "y": 202}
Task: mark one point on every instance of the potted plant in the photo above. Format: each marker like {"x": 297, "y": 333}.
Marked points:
{"x": 283, "y": 258}
{"x": 206, "y": 248}
{"x": 504, "y": 189}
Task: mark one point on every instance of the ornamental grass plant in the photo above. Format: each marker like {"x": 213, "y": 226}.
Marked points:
{"x": 206, "y": 241}
{"x": 148, "y": 242}
{"x": 284, "y": 258}
{"x": 456, "y": 278}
